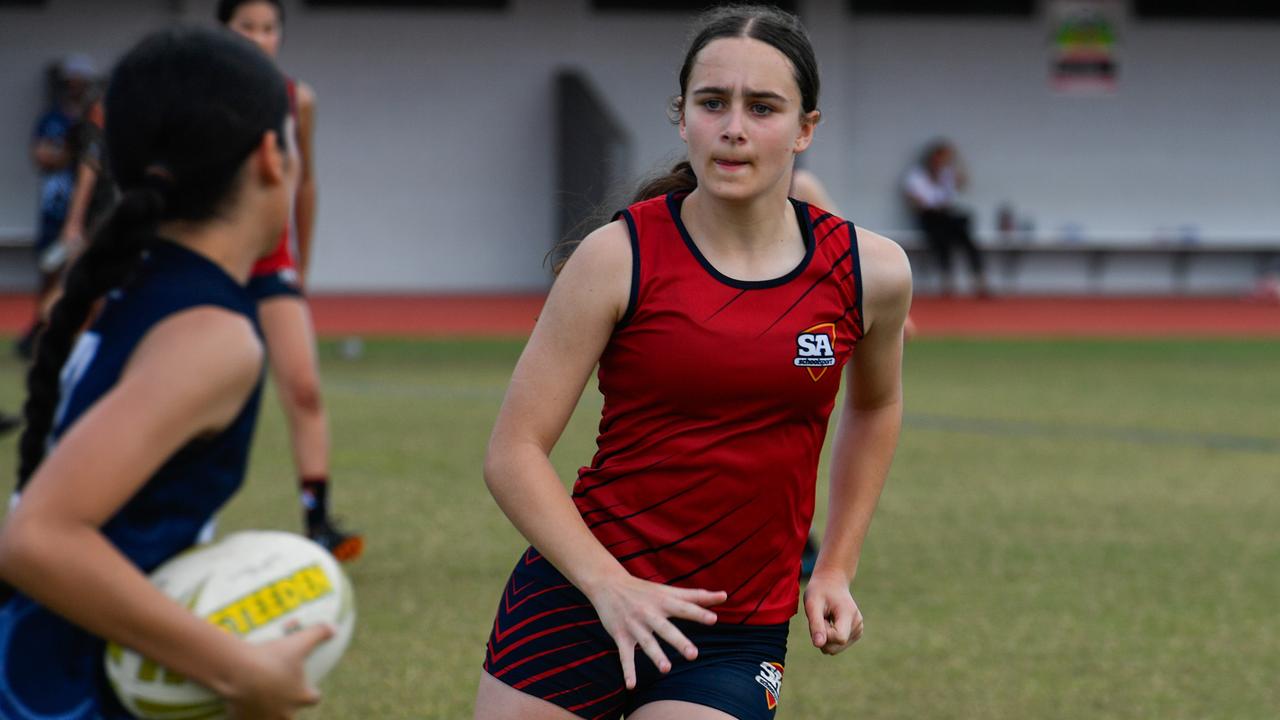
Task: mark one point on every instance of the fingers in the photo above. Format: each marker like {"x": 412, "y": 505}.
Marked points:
{"x": 840, "y": 623}
{"x": 815, "y": 611}
{"x": 697, "y": 596}
{"x": 676, "y": 639}
{"x": 649, "y": 644}
{"x": 310, "y": 637}
{"x": 834, "y": 623}
{"x": 626, "y": 654}
{"x": 311, "y": 696}
{"x": 688, "y": 611}
{"x": 858, "y": 626}
{"x": 642, "y": 619}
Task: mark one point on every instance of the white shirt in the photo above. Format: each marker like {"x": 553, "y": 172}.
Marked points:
{"x": 930, "y": 193}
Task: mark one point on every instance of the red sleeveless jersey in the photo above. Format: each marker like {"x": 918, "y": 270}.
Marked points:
{"x": 716, "y": 398}
{"x": 281, "y": 258}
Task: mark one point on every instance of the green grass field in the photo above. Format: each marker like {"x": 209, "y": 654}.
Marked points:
{"x": 1072, "y": 529}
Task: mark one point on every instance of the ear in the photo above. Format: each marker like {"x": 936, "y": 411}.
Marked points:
{"x": 808, "y": 123}
{"x": 269, "y": 159}
{"x": 684, "y": 135}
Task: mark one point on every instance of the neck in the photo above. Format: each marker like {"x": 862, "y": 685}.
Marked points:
{"x": 758, "y": 223}
{"x": 222, "y": 243}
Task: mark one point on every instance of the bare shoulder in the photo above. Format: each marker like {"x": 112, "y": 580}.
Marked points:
{"x": 210, "y": 342}
{"x": 607, "y": 245}
{"x": 599, "y": 270}
{"x": 886, "y": 274}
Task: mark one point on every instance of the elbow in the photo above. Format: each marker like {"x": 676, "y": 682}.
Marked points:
{"x": 494, "y": 464}
{"x": 505, "y": 463}
{"x": 19, "y": 549}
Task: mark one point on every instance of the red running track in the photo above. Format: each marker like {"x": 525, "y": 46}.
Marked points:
{"x": 1025, "y": 316}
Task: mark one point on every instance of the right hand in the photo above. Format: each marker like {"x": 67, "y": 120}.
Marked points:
{"x": 634, "y": 611}
{"x": 272, "y": 685}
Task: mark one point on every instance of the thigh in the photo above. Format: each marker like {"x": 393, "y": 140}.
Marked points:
{"x": 678, "y": 710}
{"x": 495, "y": 700}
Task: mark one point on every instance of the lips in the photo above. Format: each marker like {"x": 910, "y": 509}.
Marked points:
{"x": 730, "y": 164}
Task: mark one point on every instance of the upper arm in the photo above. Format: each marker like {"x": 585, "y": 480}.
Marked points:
{"x": 875, "y": 375}
{"x": 189, "y": 376}
{"x": 306, "y": 98}
{"x": 586, "y": 302}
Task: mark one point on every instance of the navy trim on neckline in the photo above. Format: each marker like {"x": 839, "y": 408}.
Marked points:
{"x": 165, "y": 246}
{"x": 674, "y": 202}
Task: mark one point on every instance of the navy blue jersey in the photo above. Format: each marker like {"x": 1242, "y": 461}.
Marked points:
{"x": 50, "y": 668}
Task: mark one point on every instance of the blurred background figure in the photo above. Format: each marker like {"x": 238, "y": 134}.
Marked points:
{"x": 94, "y": 192}
{"x": 53, "y": 152}
{"x": 932, "y": 187}
{"x": 277, "y": 284}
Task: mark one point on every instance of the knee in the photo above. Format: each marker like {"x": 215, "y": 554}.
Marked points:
{"x": 303, "y": 390}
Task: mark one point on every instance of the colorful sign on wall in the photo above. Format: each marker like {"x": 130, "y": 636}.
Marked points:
{"x": 1084, "y": 45}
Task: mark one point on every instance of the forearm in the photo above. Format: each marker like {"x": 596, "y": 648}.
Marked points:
{"x": 76, "y": 211}
{"x": 304, "y": 215}
{"x": 860, "y": 464}
{"x": 74, "y": 571}
{"x": 526, "y": 487}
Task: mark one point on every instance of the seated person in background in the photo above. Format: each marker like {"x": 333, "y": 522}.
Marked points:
{"x": 931, "y": 188}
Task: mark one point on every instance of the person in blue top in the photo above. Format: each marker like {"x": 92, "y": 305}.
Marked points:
{"x": 138, "y": 428}
{"x": 54, "y": 154}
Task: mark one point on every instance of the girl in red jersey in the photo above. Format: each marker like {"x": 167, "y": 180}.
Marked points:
{"x": 286, "y": 320}
{"x": 721, "y": 314}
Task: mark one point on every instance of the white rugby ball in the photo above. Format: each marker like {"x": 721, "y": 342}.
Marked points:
{"x": 258, "y": 585}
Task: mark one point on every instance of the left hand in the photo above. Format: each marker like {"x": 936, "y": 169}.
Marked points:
{"x": 835, "y": 622}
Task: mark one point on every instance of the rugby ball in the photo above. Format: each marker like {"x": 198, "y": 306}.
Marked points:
{"x": 258, "y": 585}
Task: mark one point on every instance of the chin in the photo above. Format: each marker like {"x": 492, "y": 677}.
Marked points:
{"x": 733, "y": 191}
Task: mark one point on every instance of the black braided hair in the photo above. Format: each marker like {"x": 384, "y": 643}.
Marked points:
{"x": 185, "y": 107}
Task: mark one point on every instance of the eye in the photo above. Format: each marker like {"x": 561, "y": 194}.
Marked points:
{"x": 713, "y": 104}
{"x": 761, "y": 109}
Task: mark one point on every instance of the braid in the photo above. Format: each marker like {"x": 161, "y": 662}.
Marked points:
{"x": 109, "y": 262}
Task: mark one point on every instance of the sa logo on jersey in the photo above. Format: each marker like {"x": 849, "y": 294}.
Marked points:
{"x": 770, "y": 678}
{"x": 816, "y": 349}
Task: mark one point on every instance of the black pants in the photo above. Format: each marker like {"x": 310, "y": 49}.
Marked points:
{"x": 945, "y": 229}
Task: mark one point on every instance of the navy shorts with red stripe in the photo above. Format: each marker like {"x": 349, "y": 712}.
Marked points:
{"x": 547, "y": 641}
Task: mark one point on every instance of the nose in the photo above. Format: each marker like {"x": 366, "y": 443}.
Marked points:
{"x": 733, "y": 131}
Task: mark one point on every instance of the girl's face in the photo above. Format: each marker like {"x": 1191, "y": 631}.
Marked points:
{"x": 260, "y": 23}
{"x": 742, "y": 119}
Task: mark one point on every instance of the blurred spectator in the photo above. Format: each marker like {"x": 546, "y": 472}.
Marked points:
{"x": 94, "y": 192}
{"x": 932, "y": 187}
{"x": 55, "y": 147}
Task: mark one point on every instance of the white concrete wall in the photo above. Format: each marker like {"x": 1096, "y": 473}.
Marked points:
{"x": 435, "y": 128}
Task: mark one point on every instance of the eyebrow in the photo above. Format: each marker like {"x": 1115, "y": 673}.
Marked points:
{"x": 753, "y": 94}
